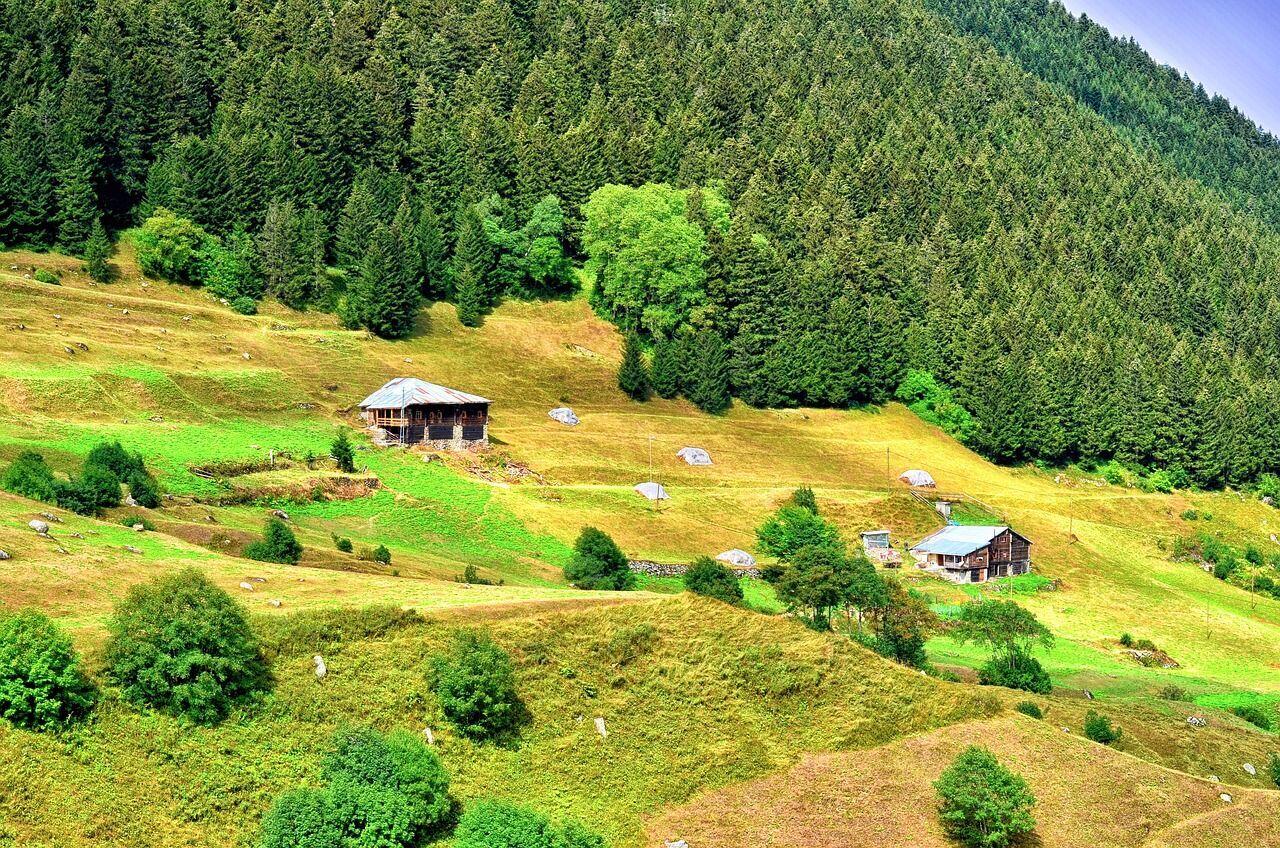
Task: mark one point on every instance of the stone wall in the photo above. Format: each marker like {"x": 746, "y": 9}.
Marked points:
{"x": 669, "y": 569}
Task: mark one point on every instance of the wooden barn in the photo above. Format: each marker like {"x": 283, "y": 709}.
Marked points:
{"x": 973, "y": 554}
{"x": 414, "y": 412}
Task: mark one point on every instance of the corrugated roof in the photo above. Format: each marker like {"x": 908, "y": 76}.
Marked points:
{"x": 958, "y": 540}
{"x": 408, "y": 391}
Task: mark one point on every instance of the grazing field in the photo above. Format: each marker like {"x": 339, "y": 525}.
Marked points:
{"x": 1086, "y": 794}
{"x": 713, "y": 698}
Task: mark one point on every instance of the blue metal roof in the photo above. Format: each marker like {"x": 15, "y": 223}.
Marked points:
{"x": 958, "y": 540}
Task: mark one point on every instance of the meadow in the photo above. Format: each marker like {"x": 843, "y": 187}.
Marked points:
{"x": 726, "y": 696}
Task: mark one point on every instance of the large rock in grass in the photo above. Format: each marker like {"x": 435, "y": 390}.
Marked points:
{"x": 41, "y": 527}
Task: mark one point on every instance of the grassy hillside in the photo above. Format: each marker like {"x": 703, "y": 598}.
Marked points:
{"x": 1086, "y": 794}
{"x": 304, "y": 375}
{"x": 711, "y": 698}
{"x": 695, "y": 694}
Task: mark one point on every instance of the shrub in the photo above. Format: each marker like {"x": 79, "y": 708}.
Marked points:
{"x": 47, "y": 277}
{"x": 1126, "y": 640}
{"x": 1099, "y": 728}
{"x": 1029, "y": 708}
{"x": 41, "y": 683}
{"x": 1254, "y": 715}
{"x": 1274, "y": 768}
{"x": 97, "y": 488}
{"x": 173, "y": 248}
{"x": 1023, "y": 672}
{"x": 143, "y": 489}
{"x": 343, "y": 453}
{"x": 183, "y": 646}
{"x": 476, "y": 685}
{"x": 97, "y": 250}
{"x": 1225, "y": 566}
{"x": 31, "y": 477}
{"x": 382, "y": 555}
{"x": 113, "y": 457}
{"x": 278, "y": 544}
{"x": 714, "y": 580}
{"x": 1173, "y": 692}
{"x": 598, "y": 563}
{"x": 983, "y": 803}
{"x": 343, "y": 544}
{"x": 131, "y": 520}
{"x": 1145, "y": 645}
{"x": 497, "y": 824}
{"x": 1190, "y": 515}
{"x": 792, "y": 528}
{"x": 244, "y": 305}
{"x": 385, "y": 791}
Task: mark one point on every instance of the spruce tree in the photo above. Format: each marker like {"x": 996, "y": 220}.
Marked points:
{"x": 96, "y": 252}
{"x": 664, "y": 372}
{"x": 389, "y": 297}
{"x": 469, "y": 298}
{"x": 633, "y": 376}
{"x": 708, "y": 386}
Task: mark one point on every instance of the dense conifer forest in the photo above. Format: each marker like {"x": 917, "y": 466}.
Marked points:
{"x": 857, "y": 191}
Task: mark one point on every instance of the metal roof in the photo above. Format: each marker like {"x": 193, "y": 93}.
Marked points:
{"x": 409, "y": 391}
{"x": 957, "y": 540}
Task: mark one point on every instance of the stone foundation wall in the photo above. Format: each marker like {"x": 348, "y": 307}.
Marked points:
{"x": 669, "y": 569}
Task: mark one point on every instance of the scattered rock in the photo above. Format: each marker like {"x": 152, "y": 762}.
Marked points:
{"x": 82, "y": 346}
{"x": 129, "y": 501}
{"x": 245, "y": 356}
{"x": 280, "y": 514}
{"x": 247, "y": 586}
{"x": 1088, "y": 694}
{"x": 131, "y": 549}
{"x": 4, "y": 555}
{"x": 57, "y": 317}
{"x": 62, "y": 550}
{"x": 407, "y": 360}
{"x": 600, "y": 728}
{"x": 186, "y": 318}
{"x": 1225, "y": 796}
{"x": 156, "y": 418}
{"x": 68, "y": 350}
{"x": 1197, "y": 721}
{"x": 431, "y": 737}
{"x": 257, "y": 580}
{"x": 1250, "y": 770}
{"x": 77, "y": 535}
{"x": 306, "y": 406}
{"x": 275, "y": 602}
{"x": 321, "y": 668}
{"x": 139, "y": 528}
{"x": 679, "y": 843}
{"x": 50, "y": 517}
{"x": 1213, "y": 778}
{"x": 39, "y": 526}
{"x": 124, "y": 312}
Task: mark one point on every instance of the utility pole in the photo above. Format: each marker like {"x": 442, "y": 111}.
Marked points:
{"x": 656, "y": 505}
{"x": 888, "y": 484}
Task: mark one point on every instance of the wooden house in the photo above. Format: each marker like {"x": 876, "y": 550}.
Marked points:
{"x": 973, "y": 554}
{"x": 877, "y": 547}
{"x": 414, "y": 412}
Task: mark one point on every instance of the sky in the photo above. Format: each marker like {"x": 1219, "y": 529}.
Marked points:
{"x": 1229, "y": 46}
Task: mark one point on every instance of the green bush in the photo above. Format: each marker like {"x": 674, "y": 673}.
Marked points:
{"x": 382, "y": 555}
{"x": 1099, "y": 728}
{"x": 245, "y": 305}
{"x": 1173, "y": 692}
{"x": 793, "y": 528}
{"x": 476, "y": 686}
{"x": 1126, "y": 640}
{"x": 598, "y": 563}
{"x": 117, "y": 460}
{"x": 48, "y": 277}
{"x": 31, "y": 477}
{"x": 1190, "y": 515}
{"x": 181, "y": 645}
{"x": 1274, "y": 768}
{"x": 804, "y": 498}
{"x": 173, "y": 248}
{"x": 343, "y": 544}
{"x": 983, "y": 803}
{"x": 714, "y": 580}
{"x": 131, "y": 520}
{"x": 382, "y": 792}
{"x": 278, "y": 544}
{"x": 1018, "y": 670}
{"x": 497, "y": 824}
{"x": 1254, "y": 715}
{"x": 1029, "y": 708}
{"x": 143, "y": 489}
{"x": 97, "y": 488}
{"x": 41, "y": 683}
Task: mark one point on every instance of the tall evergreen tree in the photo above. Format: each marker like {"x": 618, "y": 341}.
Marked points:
{"x": 708, "y": 380}
{"x": 97, "y": 250}
{"x": 633, "y": 376}
{"x": 664, "y": 372}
